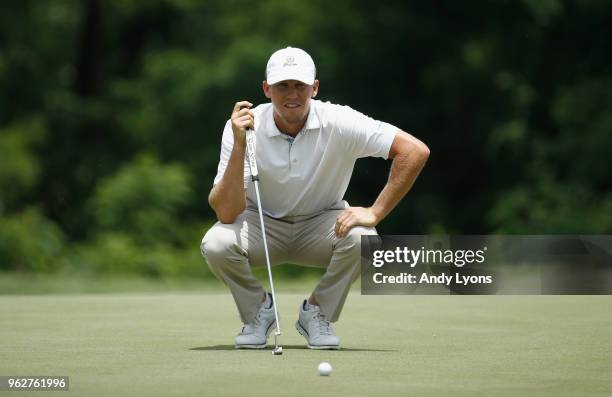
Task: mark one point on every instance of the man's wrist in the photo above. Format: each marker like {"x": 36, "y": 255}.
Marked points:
{"x": 378, "y": 213}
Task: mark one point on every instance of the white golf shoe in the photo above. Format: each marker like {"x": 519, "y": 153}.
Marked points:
{"x": 317, "y": 330}
{"x": 254, "y": 335}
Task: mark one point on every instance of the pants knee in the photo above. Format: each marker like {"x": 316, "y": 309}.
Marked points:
{"x": 352, "y": 240}
{"x": 218, "y": 244}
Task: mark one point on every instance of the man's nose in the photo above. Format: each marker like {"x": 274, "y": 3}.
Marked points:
{"x": 293, "y": 93}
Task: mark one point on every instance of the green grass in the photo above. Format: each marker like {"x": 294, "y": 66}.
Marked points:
{"x": 13, "y": 283}
{"x": 159, "y": 344}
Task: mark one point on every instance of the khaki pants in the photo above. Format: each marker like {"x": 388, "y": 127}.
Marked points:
{"x": 231, "y": 250}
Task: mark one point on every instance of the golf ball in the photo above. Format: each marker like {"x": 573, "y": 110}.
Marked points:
{"x": 324, "y": 369}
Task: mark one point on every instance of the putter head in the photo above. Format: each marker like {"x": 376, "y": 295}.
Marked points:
{"x": 278, "y": 350}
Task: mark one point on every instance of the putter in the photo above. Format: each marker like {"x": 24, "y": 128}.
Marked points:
{"x": 250, "y": 140}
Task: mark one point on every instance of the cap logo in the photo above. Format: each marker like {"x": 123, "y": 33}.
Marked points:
{"x": 290, "y": 61}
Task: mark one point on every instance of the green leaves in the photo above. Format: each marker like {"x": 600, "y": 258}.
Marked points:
{"x": 143, "y": 198}
{"x": 19, "y": 164}
{"x": 30, "y": 242}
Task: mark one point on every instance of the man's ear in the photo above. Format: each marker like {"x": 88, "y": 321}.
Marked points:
{"x": 315, "y": 88}
{"x": 266, "y": 88}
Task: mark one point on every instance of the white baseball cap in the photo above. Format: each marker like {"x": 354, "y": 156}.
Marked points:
{"x": 290, "y": 64}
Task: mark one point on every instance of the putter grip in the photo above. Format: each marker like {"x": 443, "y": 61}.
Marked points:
{"x": 250, "y": 141}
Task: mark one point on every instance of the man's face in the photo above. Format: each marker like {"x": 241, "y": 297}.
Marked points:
{"x": 291, "y": 99}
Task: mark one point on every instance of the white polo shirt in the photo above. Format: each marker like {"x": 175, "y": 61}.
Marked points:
{"x": 311, "y": 172}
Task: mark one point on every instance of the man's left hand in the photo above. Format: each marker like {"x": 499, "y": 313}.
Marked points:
{"x": 354, "y": 216}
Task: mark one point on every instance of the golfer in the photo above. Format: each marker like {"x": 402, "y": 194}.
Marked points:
{"x": 305, "y": 150}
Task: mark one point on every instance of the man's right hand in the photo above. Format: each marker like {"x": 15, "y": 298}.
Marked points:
{"x": 242, "y": 118}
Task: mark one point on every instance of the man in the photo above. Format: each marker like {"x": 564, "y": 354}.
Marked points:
{"x": 305, "y": 150}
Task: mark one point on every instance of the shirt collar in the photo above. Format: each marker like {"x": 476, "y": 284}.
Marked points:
{"x": 312, "y": 122}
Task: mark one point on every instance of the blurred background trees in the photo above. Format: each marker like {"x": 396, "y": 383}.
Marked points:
{"x": 111, "y": 115}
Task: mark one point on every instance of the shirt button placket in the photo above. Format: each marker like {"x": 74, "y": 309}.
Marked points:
{"x": 292, "y": 156}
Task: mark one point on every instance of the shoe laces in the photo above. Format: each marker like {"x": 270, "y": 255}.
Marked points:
{"x": 257, "y": 320}
{"x": 253, "y": 324}
{"x": 324, "y": 326}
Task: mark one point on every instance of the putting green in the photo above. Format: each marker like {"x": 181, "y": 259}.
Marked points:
{"x": 181, "y": 344}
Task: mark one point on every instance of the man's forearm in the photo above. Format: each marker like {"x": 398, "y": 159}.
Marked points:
{"x": 405, "y": 169}
{"x": 228, "y": 198}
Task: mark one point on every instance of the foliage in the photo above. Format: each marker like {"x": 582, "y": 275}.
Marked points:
{"x": 31, "y": 243}
{"x": 122, "y": 254}
{"x": 111, "y": 116}
{"x": 142, "y": 199}
{"x": 19, "y": 165}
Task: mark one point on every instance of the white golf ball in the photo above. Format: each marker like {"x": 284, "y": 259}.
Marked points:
{"x": 324, "y": 369}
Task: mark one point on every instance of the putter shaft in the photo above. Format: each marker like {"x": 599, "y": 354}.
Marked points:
{"x": 250, "y": 138}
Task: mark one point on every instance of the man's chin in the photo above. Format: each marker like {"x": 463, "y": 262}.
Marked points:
{"x": 293, "y": 118}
